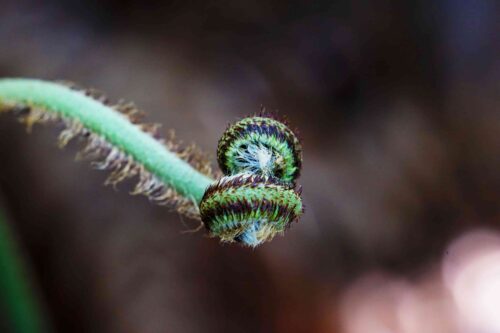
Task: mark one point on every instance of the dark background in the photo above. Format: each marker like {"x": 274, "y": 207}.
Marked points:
{"x": 397, "y": 105}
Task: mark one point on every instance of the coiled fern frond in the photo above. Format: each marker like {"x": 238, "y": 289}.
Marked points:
{"x": 262, "y": 153}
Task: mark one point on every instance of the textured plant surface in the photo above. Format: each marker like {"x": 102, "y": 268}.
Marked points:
{"x": 249, "y": 208}
{"x": 260, "y": 157}
{"x": 257, "y": 199}
{"x": 260, "y": 145}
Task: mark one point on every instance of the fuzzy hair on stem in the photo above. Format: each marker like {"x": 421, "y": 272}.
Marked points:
{"x": 115, "y": 138}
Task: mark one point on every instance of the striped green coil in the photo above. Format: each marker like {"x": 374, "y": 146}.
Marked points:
{"x": 260, "y": 145}
{"x": 257, "y": 198}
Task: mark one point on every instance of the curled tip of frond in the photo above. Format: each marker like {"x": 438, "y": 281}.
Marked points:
{"x": 261, "y": 158}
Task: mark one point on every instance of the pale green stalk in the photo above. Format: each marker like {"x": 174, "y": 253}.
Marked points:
{"x": 113, "y": 126}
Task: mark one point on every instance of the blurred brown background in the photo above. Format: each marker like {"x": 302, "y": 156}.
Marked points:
{"x": 397, "y": 105}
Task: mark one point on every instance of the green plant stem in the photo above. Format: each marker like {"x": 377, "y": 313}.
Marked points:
{"x": 113, "y": 126}
{"x": 16, "y": 295}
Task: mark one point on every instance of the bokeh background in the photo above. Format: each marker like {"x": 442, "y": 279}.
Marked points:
{"x": 397, "y": 103}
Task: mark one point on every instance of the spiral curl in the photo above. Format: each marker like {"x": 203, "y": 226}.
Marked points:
{"x": 260, "y": 145}
{"x": 257, "y": 198}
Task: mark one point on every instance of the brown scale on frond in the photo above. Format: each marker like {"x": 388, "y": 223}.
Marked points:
{"x": 34, "y": 116}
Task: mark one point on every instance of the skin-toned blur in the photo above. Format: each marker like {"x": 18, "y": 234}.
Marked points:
{"x": 396, "y": 103}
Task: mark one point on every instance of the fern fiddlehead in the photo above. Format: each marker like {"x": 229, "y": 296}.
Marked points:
{"x": 260, "y": 156}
